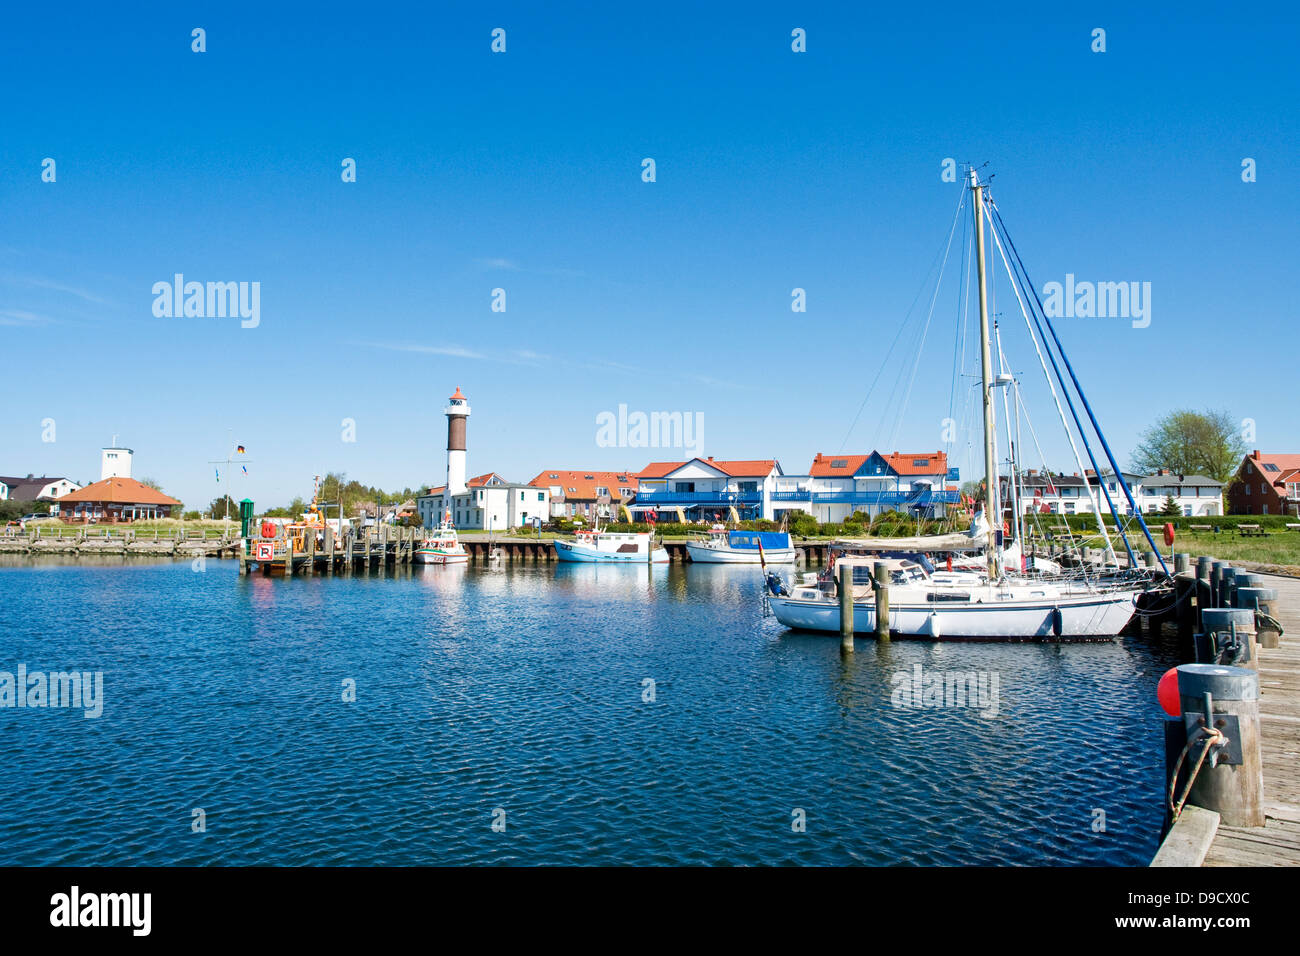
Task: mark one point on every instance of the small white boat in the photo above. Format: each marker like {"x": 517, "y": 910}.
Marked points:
{"x": 742, "y": 547}
{"x": 947, "y": 609}
{"x": 598, "y": 546}
{"x": 442, "y": 547}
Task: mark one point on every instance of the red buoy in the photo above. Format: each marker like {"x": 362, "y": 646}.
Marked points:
{"x": 1169, "y": 534}
{"x": 1167, "y": 692}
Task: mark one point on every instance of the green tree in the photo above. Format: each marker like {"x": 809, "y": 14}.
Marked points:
{"x": 1191, "y": 443}
{"x": 223, "y": 506}
{"x": 1171, "y": 509}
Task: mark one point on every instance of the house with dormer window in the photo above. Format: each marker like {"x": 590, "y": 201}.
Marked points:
{"x": 707, "y": 489}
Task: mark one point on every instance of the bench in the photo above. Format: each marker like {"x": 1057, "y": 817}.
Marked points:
{"x": 1251, "y": 531}
{"x": 1199, "y": 527}
{"x": 1293, "y": 527}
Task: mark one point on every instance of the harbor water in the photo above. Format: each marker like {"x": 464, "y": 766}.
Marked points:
{"x": 548, "y": 714}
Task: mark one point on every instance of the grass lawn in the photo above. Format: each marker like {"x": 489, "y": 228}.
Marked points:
{"x": 1279, "y": 549}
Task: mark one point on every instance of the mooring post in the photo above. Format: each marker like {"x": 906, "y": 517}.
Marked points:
{"x": 1260, "y": 599}
{"x": 1216, "y": 582}
{"x": 1231, "y": 777}
{"x": 288, "y": 554}
{"x": 329, "y": 548}
{"x": 311, "y": 551}
{"x": 1228, "y": 588}
{"x": 881, "y": 576}
{"x": 845, "y": 576}
{"x": 1204, "y": 592}
{"x": 1230, "y": 633}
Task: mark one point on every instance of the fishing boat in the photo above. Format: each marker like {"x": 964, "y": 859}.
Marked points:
{"x": 987, "y": 604}
{"x": 597, "y": 546}
{"x": 442, "y": 546}
{"x": 742, "y": 547}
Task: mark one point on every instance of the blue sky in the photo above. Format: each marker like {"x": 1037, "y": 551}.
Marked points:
{"x": 522, "y": 171}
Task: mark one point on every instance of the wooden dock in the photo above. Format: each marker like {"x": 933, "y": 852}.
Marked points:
{"x": 119, "y": 540}
{"x": 1277, "y": 843}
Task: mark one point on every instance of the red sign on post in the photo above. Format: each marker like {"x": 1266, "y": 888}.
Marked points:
{"x": 265, "y": 551}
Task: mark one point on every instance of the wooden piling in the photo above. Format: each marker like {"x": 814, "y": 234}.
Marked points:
{"x": 1234, "y": 790}
{"x": 881, "y": 575}
{"x": 845, "y": 576}
{"x": 1204, "y": 592}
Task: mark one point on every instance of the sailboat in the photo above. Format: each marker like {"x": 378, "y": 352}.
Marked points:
{"x": 991, "y": 604}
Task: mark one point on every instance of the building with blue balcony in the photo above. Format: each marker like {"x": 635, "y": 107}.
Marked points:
{"x": 704, "y": 489}
{"x": 921, "y": 485}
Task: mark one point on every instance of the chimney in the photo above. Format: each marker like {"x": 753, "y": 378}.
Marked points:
{"x": 1255, "y": 454}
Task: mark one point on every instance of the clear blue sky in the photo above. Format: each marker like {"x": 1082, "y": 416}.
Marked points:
{"x": 775, "y": 170}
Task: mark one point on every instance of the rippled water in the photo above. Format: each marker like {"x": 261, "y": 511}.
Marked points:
{"x": 521, "y": 690}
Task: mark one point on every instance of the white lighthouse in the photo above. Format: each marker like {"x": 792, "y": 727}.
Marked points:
{"x": 457, "y": 411}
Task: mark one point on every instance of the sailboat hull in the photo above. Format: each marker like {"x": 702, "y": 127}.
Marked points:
{"x": 1084, "y": 617}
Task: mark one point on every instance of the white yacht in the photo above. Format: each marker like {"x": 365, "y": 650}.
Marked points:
{"x": 984, "y": 604}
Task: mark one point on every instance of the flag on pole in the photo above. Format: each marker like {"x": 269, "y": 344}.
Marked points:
{"x": 218, "y": 471}
{"x": 239, "y": 449}
{"x": 245, "y": 467}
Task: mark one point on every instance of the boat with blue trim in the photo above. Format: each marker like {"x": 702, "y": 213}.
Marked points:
{"x": 742, "y": 547}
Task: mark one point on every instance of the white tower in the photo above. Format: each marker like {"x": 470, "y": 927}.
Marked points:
{"x": 115, "y": 463}
{"x": 457, "y": 411}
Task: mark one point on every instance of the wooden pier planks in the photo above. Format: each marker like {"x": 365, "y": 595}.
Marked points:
{"x": 1277, "y": 843}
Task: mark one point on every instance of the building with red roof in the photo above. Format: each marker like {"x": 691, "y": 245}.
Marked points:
{"x": 707, "y": 489}
{"x": 1266, "y": 484}
{"x": 113, "y": 500}
{"x": 578, "y": 493}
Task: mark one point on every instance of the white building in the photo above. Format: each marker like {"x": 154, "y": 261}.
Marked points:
{"x": 115, "y": 463}
{"x": 33, "y": 488}
{"x": 702, "y": 488}
{"x": 836, "y": 486}
{"x": 1195, "y": 495}
{"x": 489, "y": 503}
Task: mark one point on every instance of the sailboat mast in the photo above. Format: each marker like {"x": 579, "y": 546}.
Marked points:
{"x": 986, "y": 369}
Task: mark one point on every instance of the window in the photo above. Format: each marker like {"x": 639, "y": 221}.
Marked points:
{"x": 687, "y": 486}
{"x": 602, "y": 491}
{"x": 1247, "y": 489}
{"x": 920, "y": 462}
{"x": 552, "y": 476}
{"x": 521, "y": 496}
{"x": 541, "y": 496}
{"x": 840, "y": 463}
{"x": 747, "y": 486}
{"x": 1269, "y": 466}
{"x": 1263, "y": 509}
